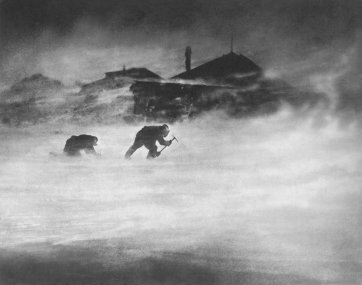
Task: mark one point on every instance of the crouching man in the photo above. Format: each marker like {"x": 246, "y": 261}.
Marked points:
{"x": 75, "y": 144}
{"x": 147, "y": 137}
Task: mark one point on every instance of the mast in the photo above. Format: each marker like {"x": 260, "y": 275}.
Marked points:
{"x": 232, "y": 43}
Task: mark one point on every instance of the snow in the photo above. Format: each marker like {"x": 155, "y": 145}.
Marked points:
{"x": 277, "y": 194}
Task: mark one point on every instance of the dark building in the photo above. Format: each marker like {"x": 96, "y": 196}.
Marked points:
{"x": 228, "y": 82}
{"x": 232, "y": 83}
{"x": 119, "y": 79}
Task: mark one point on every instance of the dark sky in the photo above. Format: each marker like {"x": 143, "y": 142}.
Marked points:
{"x": 321, "y": 19}
{"x": 271, "y": 32}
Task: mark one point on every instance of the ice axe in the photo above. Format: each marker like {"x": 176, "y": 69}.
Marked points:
{"x": 174, "y": 138}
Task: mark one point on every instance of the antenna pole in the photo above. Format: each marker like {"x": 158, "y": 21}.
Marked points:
{"x": 232, "y": 43}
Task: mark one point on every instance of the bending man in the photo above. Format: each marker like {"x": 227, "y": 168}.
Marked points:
{"x": 147, "y": 137}
{"x": 76, "y": 144}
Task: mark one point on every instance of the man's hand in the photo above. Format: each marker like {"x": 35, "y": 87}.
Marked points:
{"x": 157, "y": 154}
{"x": 168, "y": 143}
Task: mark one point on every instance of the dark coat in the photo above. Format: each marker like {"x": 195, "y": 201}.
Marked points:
{"x": 75, "y": 144}
{"x": 150, "y": 134}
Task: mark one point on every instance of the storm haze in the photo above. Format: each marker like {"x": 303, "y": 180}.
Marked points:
{"x": 265, "y": 198}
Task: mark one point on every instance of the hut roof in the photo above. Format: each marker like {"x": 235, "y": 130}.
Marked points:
{"x": 136, "y": 73}
{"x": 222, "y": 67}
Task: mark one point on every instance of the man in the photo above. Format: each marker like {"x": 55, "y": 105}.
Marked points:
{"x": 147, "y": 137}
{"x": 75, "y": 144}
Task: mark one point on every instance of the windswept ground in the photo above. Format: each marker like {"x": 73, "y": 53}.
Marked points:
{"x": 268, "y": 200}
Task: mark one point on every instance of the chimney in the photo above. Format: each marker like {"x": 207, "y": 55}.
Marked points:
{"x": 188, "y": 59}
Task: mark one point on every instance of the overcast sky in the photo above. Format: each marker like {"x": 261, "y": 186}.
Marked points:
{"x": 82, "y": 39}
